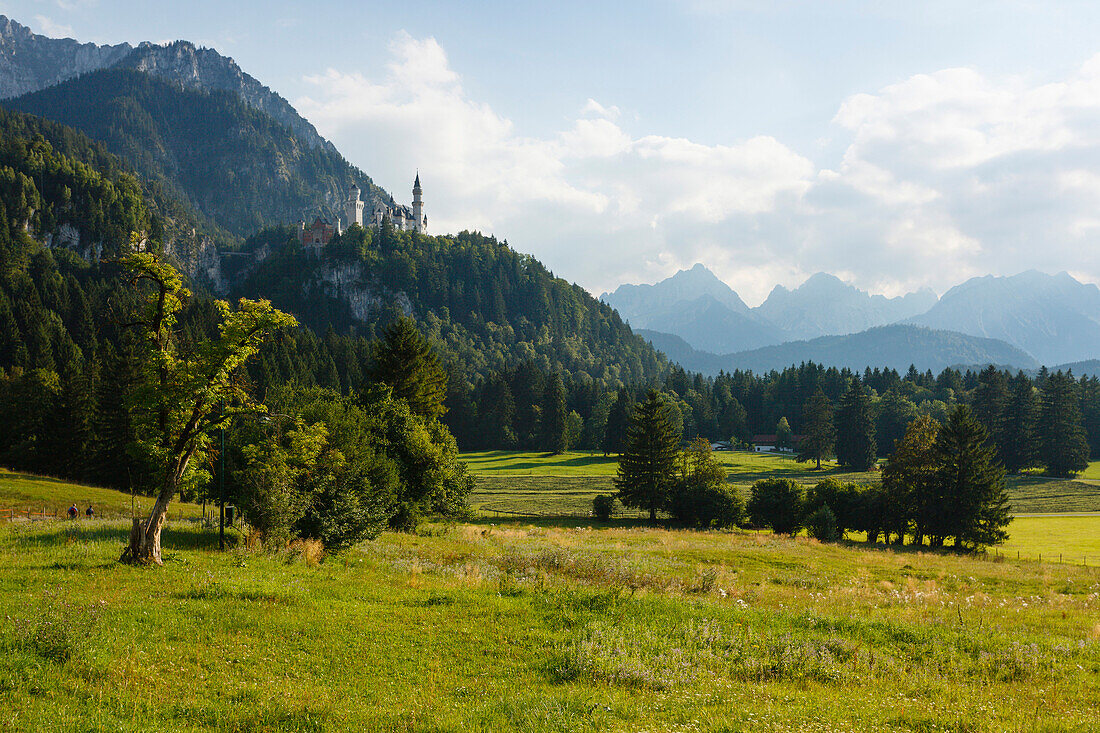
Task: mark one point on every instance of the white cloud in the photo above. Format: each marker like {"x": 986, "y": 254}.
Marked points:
{"x": 944, "y": 175}
{"x": 48, "y": 27}
{"x": 592, "y": 201}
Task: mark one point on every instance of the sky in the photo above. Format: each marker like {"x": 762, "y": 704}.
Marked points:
{"x": 898, "y": 145}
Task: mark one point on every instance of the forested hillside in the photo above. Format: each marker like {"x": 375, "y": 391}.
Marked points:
{"x": 237, "y": 165}
{"x": 485, "y": 305}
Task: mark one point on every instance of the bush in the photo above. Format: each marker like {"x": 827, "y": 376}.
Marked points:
{"x": 603, "y": 506}
{"x": 822, "y": 524}
{"x": 845, "y": 500}
{"x": 777, "y": 503}
{"x": 707, "y": 506}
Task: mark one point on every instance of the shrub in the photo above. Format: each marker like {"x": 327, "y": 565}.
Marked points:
{"x": 777, "y": 503}
{"x": 603, "y": 506}
{"x": 822, "y": 524}
{"x": 707, "y": 506}
{"x": 844, "y": 499}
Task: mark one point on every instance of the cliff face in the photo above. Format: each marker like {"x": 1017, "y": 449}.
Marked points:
{"x": 29, "y": 62}
{"x": 206, "y": 69}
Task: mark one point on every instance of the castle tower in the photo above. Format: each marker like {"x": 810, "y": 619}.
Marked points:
{"x": 420, "y": 222}
{"x": 353, "y": 209}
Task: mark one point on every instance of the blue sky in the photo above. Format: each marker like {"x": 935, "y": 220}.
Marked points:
{"x": 897, "y": 144}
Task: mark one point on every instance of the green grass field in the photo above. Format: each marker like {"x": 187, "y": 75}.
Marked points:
{"x": 21, "y": 491}
{"x": 541, "y": 484}
{"x": 527, "y": 628}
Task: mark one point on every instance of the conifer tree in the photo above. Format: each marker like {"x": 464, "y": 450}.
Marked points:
{"x": 908, "y": 488}
{"x": 405, "y": 361}
{"x": 618, "y": 419}
{"x": 1020, "y": 447}
{"x": 554, "y": 438}
{"x": 969, "y": 485}
{"x": 855, "y": 440}
{"x": 990, "y": 404}
{"x": 1063, "y": 446}
{"x": 818, "y": 431}
{"x": 648, "y": 462}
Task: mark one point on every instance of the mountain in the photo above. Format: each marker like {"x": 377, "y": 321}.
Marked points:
{"x": 824, "y": 305}
{"x": 639, "y": 303}
{"x": 1055, "y": 318}
{"x": 29, "y": 62}
{"x": 712, "y": 326}
{"x": 695, "y": 305}
{"x": 237, "y": 165}
{"x": 207, "y": 70}
{"x": 895, "y": 346}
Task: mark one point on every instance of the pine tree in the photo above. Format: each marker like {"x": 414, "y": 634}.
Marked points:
{"x": 1063, "y": 446}
{"x": 909, "y": 502}
{"x": 618, "y": 419}
{"x": 1090, "y": 410}
{"x": 855, "y": 441}
{"x": 648, "y": 463}
{"x": 405, "y": 361}
{"x": 1020, "y": 447}
{"x": 990, "y": 405}
{"x": 970, "y": 484}
{"x": 552, "y": 425}
{"x": 818, "y": 431}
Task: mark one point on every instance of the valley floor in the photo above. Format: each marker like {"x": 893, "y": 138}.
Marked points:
{"x": 482, "y": 627}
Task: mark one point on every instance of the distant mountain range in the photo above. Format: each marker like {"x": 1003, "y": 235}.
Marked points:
{"x": 1054, "y": 318}
{"x": 897, "y": 346}
{"x": 1028, "y": 319}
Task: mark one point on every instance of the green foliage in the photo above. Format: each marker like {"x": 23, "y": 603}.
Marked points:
{"x": 700, "y": 496}
{"x": 819, "y": 434}
{"x": 784, "y": 437}
{"x": 277, "y": 480}
{"x": 822, "y": 524}
{"x": 603, "y": 506}
{"x": 647, "y": 465}
{"x": 855, "y": 442}
{"x": 1064, "y": 448}
{"x": 405, "y": 362}
{"x": 777, "y": 503}
{"x": 176, "y": 139}
{"x": 969, "y": 485}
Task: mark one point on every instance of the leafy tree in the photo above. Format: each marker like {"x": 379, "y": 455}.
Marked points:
{"x": 275, "y": 480}
{"x": 179, "y": 400}
{"x": 844, "y": 500}
{"x": 855, "y": 442}
{"x": 821, "y": 524}
{"x": 647, "y": 464}
{"x": 700, "y": 496}
{"x": 819, "y": 434}
{"x": 405, "y": 361}
{"x": 777, "y": 503}
{"x": 969, "y": 485}
{"x": 784, "y": 436}
{"x": 553, "y": 425}
{"x": 1063, "y": 446}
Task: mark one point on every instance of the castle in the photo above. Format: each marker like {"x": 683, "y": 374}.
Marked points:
{"x": 403, "y": 218}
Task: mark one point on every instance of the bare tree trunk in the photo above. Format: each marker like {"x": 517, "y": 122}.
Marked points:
{"x": 144, "y": 547}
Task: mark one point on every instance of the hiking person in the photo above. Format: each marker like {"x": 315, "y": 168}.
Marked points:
{"x": 72, "y": 512}
{"x": 89, "y": 512}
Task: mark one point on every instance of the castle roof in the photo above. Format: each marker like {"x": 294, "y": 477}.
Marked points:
{"x": 416, "y": 183}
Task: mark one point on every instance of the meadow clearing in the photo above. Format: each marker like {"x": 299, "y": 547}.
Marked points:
{"x": 543, "y": 624}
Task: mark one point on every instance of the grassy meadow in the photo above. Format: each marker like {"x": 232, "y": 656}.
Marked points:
{"x": 519, "y": 627}
{"x": 22, "y": 492}
{"x": 544, "y": 624}
{"x": 541, "y": 484}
